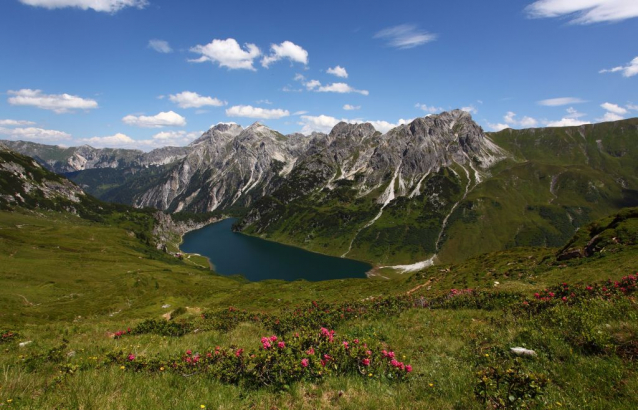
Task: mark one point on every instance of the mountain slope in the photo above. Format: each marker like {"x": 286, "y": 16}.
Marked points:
{"x": 437, "y": 189}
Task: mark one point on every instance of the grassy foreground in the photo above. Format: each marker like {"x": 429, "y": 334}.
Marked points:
{"x": 70, "y": 284}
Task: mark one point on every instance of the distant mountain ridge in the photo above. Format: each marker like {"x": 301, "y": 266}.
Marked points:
{"x": 439, "y": 188}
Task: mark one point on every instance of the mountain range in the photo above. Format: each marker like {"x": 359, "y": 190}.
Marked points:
{"x": 436, "y": 189}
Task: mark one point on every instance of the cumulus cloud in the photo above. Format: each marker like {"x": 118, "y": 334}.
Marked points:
{"x": 555, "y": 102}
{"x": 525, "y": 122}
{"x": 338, "y": 71}
{"x": 571, "y": 119}
{"x": 573, "y": 113}
{"x": 288, "y": 50}
{"x": 430, "y": 109}
{"x": 349, "y": 107}
{"x": 471, "y": 109}
{"x": 628, "y": 70}
{"x": 189, "y": 99}
{"x": 13, "y": 123}
{"x": 615, "y": 108}
{"x": 34, "y": 134}
{"x": 113, "y": 141}
{"x": 385, "y": 126}
{"x": 341, "y": 88}
{"x": 58, "y": 103}
{"x": 610, "y": 116}
{"x": 227, "y": 53}
{"x": 160, "y": 46}
{"x": 249, "y": 111}
{"x": 108, "y": 6}
{"x": 161, "y": 139}
{"x": 614, "y": 112}
{"x": 498, "y": 126}
{"x": 163, "y": 119}
{"x": 319, "y": 123}
{"x": 405, "y": 36}
{"x": 325, "y": 123}
{"x": 567, "y": 122}
{"x": 584, "y": 11}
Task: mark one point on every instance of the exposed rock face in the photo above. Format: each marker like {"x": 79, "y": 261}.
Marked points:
{"x": 166, "y": 229}
{"x": 400, "y": 160}
{"x": 227, "y": 166}
{"x": 63, "y": 160}
{"x": 24, "y": 182}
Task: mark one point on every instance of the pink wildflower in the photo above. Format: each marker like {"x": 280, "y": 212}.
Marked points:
{"x": 273, "y": 338}
{"x": 239, "y": 352}
{"x": 304, "y": 362}
{"x": 408, "y": 368}
{"x": 345, "y": 345}
{"x": 131, "y": 357}
{"x": 310, "y": 351}
{"x": 281, "y": 345}
{"x": 365, "y": 362}
{"x": 189, "y": 352}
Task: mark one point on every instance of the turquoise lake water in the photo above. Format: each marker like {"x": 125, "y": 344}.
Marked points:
{"x": 256, "y": 259}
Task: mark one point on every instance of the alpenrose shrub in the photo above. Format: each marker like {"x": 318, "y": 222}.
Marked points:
{"x": 7, "y": 336}
{"x": 309, "y": 355}
{"x": 566, "y": 294}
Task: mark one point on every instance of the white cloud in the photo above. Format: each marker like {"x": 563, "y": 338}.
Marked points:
{"x": 341, "y": 88}
{"x": 555, "y": 102}
{"x": 498, "y": 126}
{"x": 584, "y": 11}
{"x": 13, "y": 123}
{"x": 34, "y": 134}
{"x": 471, "y": 109}
{"x": 163, "y": 119}
{"x": 288, "y": 50}
{"x": 629, "y": 70}
{"x": 614, "y": 112}
{"x": 573, "y": 113}
{"x": 567, "y": 122}
{"x": 312, "y": 84}
{"x": 264, "y": 102}
{"x": 325, "y": 123}
{"x": 227, "y": 53}
{"x": 300, "y": 112}
{"x": 161, "y": 139}
{"x": 405, "y": 36}
{"x": 173, "y": 138}
{"x": 525, "y": 122}
{"x": 615, "y": 108}
{"x": 58, "y": 103}
{"x": 249, "y": 111}
{"x": 349, "y": 107}
{"x": 189, "y": 99}
{"x": 430, "y": 109}
{"x": 319, "y": 123}
{"x": 385, "y": 126}
{"x": 632, "y": 107}
{"x": 610, "y": 116}
{"x": 160, "y": 46}
{"x": 108, "y": 6}
{"x": 338, "y": 71}
{"x": 117, "y": 140}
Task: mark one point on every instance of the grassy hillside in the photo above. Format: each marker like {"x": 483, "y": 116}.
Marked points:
{"x": 72, "y": 283}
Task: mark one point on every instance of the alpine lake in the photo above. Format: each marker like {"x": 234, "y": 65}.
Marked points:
{"x": 256, "y": 259}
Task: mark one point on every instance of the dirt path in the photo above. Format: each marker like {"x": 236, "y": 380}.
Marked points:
{"x": 411, "y": 291}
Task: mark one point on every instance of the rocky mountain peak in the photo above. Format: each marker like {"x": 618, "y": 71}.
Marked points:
{"x": 357, "y": 131}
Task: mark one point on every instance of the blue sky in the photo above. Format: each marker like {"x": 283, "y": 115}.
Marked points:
{"x": 148, "y": 73}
